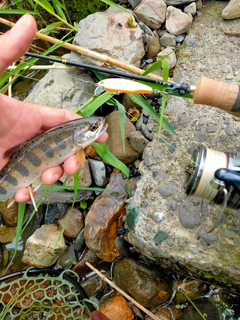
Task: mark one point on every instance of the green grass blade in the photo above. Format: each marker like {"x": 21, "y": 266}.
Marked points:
{"x": 193, "y": 304}
{"x": 21, "y": 213}
{"x": 76, "y": 186}
{"x": 165, "y": 67}
{"x": 51, "y": 27}
{"x": 116, "y": 6}
{"x": 16, "y": 11}
{"x": 45, "y": 5}
{"x": 108, "y": 157}
{"x": 144, "y": 104}
{"x": 59, "y": 9}
{"x": 88, "y": 108}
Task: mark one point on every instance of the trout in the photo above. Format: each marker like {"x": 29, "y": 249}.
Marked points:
{"x": 48, "y": 149}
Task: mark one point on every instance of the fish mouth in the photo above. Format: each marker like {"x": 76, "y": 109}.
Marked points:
{"x": 102, "y": 128}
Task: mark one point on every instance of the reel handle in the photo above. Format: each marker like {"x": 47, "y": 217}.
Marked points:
{"x": 231, "y": 177}
{"x": 218, "y": 94}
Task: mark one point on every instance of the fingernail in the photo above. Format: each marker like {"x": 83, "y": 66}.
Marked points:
{"x": 23, "y": 21}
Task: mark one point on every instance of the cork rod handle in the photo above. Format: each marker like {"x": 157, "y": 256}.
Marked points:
{"x": 217, "y": 94}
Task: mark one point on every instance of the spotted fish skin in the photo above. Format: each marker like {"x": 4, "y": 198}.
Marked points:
{"x": 48, "y": 149}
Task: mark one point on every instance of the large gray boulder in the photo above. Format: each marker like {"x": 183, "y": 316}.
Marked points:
{"x": 165, "y": 224}
{"x": 110, "y": 34}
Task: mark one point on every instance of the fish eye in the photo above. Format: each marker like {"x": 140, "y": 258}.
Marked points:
{"x": 94, "y": 127}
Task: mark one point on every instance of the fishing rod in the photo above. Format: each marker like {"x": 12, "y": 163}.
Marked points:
{"x": 207, "y": 91}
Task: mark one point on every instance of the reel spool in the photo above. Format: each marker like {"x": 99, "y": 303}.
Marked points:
{"x": 215, "y": 176}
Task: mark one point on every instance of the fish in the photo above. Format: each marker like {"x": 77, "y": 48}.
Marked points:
{"x": 48, "y": 149}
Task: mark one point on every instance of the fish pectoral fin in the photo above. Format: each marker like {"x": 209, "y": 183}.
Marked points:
{"x": 36, "y": 184}
{"x": 31, "y": 193}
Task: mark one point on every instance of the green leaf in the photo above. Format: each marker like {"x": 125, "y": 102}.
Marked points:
{"x": 59, "y": 9}
{"x": 52, "y": 26}
{"x": 108, "y": 157}
{"x": 88, "y": 108}
{"x": 116, "y": 6}
{"x": 155, "y": 66}
{"x": 16, "y": 11}
{"x": 46, "y": 5}
{"x": 165, "y": 67}
{"x": 21, "y": 213}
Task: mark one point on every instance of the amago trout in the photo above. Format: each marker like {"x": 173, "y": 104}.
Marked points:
{"x": 47, "y": 149}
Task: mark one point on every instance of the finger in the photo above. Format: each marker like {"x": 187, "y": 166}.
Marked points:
{"x": 22, "y": 195}
{"x": 51, "y": 175}
{"x": 103, "y": 137}
{"x": 54, "y": 116}
{"x": 71, "y": 165}
{"x": 16, "y": 41}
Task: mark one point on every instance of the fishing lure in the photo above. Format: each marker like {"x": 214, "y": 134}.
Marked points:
{"x": 119, "y": 85}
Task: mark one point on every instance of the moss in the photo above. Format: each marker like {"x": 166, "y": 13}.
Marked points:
{"x": 237, "y": 258}
{"x": 80, "y": 9}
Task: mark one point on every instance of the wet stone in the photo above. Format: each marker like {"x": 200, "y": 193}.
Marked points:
{"x": 150, "y": 290}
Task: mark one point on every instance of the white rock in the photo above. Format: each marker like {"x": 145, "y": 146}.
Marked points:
{"x": 109, "y": 33}
{"x": 44, "y": 247}
{"x": 232, "y": 10}
{"x": 171, "y": 58}
{"x": 191, "y": 8}
{"x": 151, "y": 12}
{"x": 177, "y": 22}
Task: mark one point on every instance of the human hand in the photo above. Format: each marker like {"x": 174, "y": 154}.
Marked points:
{"x": 20, "y": 121}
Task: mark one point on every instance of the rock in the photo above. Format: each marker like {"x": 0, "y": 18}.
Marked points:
{"x": 137, "y": 141}
{"x": 114, "y": 142}
{"x": 67, "y": 259}
{"x": 178, "y": 2}
{"x": 10, "y": 215}
{"x": 44, "y": 247}
{"x": 232, "y": 10}
{"x": 72, "y": 222}
{"x": 146, "y": 285}
{"x": 85, "y": 179}
{"x": 93, "y": 285}
{"x": 98, "y": 171}
{"x": 114, "y": 306}
{"x": 134, "y": 3}
{"x": 68, "y": 91}
{"x": 88, "y": 256}
{"x": 104, "y": 217}
{"x": 153, "y": 47}
{"x": 109, "y": 33}
{"x": 169, "y": 55}
{"x": 6, "y": 234}
{"x": 191, "y": 8}
{"x": 177, "y": 22}
{"x": 194, "y": 289}
{"x": 152, "y": 13}
{"x": 174, "y": 229}
{"x": 168, "y": 40}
